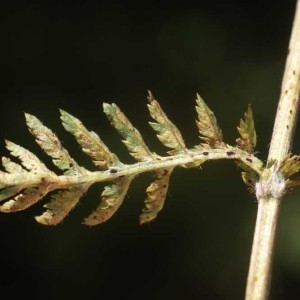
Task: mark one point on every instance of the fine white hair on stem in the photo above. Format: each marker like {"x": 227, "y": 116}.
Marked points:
{"x": 273, "y": 186}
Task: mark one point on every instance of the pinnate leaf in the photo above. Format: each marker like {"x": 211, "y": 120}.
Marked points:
{"x": 25, "y": 182}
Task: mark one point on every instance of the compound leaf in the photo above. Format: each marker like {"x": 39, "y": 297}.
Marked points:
{"x": 27, "y": 181}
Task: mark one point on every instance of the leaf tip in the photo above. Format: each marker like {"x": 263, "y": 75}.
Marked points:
{"x": 150, "y": 97}
{"x": 62, "y": 112}
{"x": 27, "y": 116}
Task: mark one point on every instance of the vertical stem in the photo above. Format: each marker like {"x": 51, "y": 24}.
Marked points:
{"x": 261, "y": 258}
{"x": 267, "y": 191}
{"x": 287, "y": 109}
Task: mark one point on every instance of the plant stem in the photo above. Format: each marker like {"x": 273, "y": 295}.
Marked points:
{"x": 268, "y": 193}
{"x": 261, "y": 258}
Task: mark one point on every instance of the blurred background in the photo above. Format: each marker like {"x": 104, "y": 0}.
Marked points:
{"x": 75, "y": 56}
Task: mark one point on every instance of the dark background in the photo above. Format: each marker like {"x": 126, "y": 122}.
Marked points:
{"x": 76, "y": 56}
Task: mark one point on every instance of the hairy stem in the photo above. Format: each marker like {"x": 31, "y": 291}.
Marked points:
{"x": 269, "y": 193}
